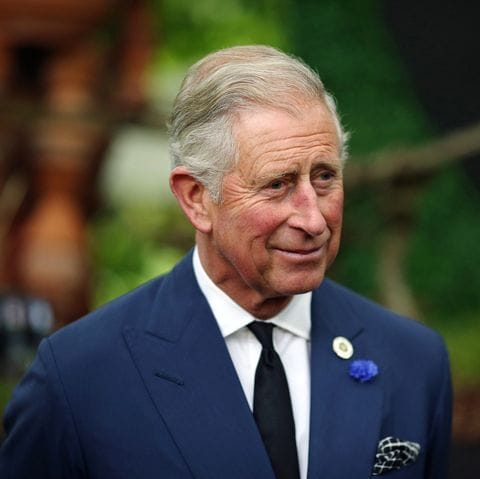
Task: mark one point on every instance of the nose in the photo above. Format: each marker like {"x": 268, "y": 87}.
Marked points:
{"x": 306, "y": 212}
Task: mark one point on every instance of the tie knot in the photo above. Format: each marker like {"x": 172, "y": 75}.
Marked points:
{"x": 263, "y": 332}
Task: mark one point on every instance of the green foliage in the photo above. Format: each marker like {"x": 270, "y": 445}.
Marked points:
{"x": 6, "y": 388}
{"x": 192, "y": 29}
{"x": 136, "y": 245}
{"x": 445, "y": 255}
{"x": 461, "y": 334}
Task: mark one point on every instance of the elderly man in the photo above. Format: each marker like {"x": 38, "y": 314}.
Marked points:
{"x": 244, "y": 361}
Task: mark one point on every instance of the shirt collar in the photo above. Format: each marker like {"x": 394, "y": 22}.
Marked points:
{"x": 295, "y": 317}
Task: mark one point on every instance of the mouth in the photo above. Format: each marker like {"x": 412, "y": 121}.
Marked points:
{"x": 302, "y": 254}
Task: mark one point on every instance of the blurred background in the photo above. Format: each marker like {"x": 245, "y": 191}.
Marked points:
{"x": 85, "y": 209}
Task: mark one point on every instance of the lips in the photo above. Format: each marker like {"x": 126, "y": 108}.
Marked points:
{"x": 301, "y": 253}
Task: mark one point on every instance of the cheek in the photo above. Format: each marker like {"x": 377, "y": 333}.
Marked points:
{"x": 333, "y": 211}
{"x": 259, "y": 222}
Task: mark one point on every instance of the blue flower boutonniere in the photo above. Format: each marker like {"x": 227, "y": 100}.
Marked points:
{"x": 363, "y": 370}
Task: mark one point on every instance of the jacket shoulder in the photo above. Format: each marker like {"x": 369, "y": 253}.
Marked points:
{"x": 387, "y": 325}
{"x": 101, "y": 327}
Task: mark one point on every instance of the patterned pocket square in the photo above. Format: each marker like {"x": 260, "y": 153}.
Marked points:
{"x": 393, "y": 453}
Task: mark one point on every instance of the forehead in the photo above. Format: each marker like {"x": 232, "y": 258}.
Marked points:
{"x": 268, "y": 135}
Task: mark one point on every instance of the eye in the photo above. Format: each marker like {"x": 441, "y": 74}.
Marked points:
{"x": 277, "y": 184}
{"x": 323, "y": 179}
{"x": 277, "y": 187}
{"x": 324, "y": 176}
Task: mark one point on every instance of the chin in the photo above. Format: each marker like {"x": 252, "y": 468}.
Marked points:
{"x": 301, "y": 286}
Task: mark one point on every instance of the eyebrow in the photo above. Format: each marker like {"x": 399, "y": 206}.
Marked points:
{"x": 324, "y": 165}
{"x": 273, "y": 175}
{"x": 295, "y": 171}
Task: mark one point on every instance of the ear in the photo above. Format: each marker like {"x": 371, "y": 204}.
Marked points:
{"x": 193, "y": 198}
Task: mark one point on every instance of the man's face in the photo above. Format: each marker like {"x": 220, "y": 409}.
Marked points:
{"x": 277, "y": 227}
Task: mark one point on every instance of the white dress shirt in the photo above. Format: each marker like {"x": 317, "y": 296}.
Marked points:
{"x": 291, "y": 339}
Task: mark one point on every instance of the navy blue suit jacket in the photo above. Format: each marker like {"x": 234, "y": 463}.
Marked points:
{"x": 144, "y": 388}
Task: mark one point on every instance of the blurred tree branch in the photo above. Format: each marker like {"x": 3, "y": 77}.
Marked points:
{"x": 413, "y": 163}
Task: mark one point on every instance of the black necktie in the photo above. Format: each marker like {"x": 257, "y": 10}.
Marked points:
{"x": 272, "y": 407}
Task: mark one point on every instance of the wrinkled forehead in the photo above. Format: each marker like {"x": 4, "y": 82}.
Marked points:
{"x": 277, "y": 138}
{"x": 297, "y": 112}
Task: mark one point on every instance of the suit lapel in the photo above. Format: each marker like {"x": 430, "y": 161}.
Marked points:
{"x": 187, "y": 370}
{"x": 345, "y": 415}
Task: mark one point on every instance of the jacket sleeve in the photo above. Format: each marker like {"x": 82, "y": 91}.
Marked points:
{"x": 440, "y": 433}
{"x": 42, "y": 440}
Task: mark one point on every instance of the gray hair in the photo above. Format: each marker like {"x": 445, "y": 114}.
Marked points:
{"x": 221, "y": 85}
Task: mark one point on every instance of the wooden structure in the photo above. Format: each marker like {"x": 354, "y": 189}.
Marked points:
{"x": 69, "y": 70}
